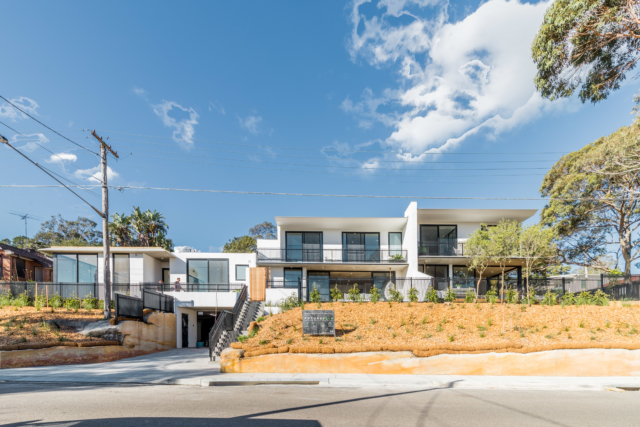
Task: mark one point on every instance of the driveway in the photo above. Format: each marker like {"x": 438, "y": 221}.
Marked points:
{"x": 183, "y": 363}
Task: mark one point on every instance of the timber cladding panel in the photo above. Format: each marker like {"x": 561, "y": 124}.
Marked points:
{"x": 257, "y": 283}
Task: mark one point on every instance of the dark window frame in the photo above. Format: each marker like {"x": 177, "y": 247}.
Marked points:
{"x": 208, "y": 272}
{"x": 438, "y": 225}
{"x": 389, "y": 241}
{"x": 286, "y": 245}
{"x": 284, "y": 275}
{"x": 57, "y": 270}
{"x": 242, "y": 265}
{"x": 23, "y": 268}
{"x": 345, "y": 249}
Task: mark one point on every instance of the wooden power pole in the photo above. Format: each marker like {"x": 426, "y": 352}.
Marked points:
{"x": 105, "y": 225}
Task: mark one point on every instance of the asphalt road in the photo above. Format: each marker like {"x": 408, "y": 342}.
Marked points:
{"x": 62, "y": 405}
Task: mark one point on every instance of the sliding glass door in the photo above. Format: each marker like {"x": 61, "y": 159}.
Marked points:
{"x": 303, "y": 246}
{"x": 361, "y": 247}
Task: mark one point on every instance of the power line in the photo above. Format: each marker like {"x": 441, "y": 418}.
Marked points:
{"x": 325, "y": 149}
{"x": 28, "y": 115}
{"x": 269, "y": 193}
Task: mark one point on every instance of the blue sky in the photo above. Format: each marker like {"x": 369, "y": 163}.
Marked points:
{"x": 190, "y": 93}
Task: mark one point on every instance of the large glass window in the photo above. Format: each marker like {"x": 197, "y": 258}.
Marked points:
{"x": 215, "y": 271}
{"x": 120, "y": 268}
{"x": 304, "y": 246}
{"x": 20, "y": 267}
{"x": 67, "y": 268}
{"x": 395, "y": 244}
{"x": 440, "y": 274}
{"x": 438, "y": 240}
{"x": 361, "y": 247}
{"x": 463, "y": 277}
{"x": 320, "y": 281}
{"x": 242, "y": 271}
{"x": 291, "y": 277}
{"x": 87, "y": 268}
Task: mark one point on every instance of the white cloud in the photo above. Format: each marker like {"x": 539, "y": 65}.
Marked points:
{"x": 184, "y": 128}
{"x": 140, "y": 92}
{"x": 456, "y": 79}
{"x": 215, "y": 105}
{"x": 95, "y": 174}
{"x": 8, "y": 112}
{"x": 62, "y": 157}
{"x": 30, "y": 140}
{"x": 252, "y": 123}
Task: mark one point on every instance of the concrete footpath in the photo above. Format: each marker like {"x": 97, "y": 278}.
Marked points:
{"x": 191, "y": 367}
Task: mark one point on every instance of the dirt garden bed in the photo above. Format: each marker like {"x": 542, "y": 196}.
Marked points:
{"x": 430, "y": 329}
{"x": 26, "y": 325}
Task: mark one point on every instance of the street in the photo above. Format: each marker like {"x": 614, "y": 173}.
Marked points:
{"x": 48, "y": 404}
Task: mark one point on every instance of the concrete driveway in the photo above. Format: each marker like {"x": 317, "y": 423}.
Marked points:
{"x": 183, "y": 363}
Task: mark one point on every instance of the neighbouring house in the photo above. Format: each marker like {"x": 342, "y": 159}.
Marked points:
{"x": 208, "y": 281}
{"x": 23, "y": 265}
{"x": 425, "y": 247}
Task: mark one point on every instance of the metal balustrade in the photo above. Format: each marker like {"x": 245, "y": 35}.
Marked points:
{"x": 356, "y": 256}
{"x": 441, "y": 247}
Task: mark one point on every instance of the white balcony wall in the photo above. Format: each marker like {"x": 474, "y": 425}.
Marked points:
{"x": 151, "y": 269}
{"x": 178, "y": 265}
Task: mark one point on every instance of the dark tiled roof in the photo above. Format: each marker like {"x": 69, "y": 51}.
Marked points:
{"x": 29, "y": 254}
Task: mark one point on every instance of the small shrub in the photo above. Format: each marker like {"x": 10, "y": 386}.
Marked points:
{"x": 521, "y": 334}
{"x": 451, "y": 337}
{"x": 481, "y": 334}
{"x": 607, "y": 324}
{"x": 314, "y": 296}
{"x": 490, "y": 321}
{"x": 289, "y": 303}
{"x": 407, "y": 330}
{"x": 372, "y": 321}
{"x": 394, "y": 334}
{"x": 427, "y": 336}
{"x": 5, "y": 299}
{"x": 550, "y": 298}
{"x": 263, "y": 342}
{"x": 470, "y": 295}
{"x": 581, "y": 324}
{"x": 569, "y": 299}
{"x": 375, "y": 295}
{"x": 22, "y": 300}
{"x": 424, "y": 320}
{"x": 439, "y": 329}
{"x": 450, "y": 296}
{"x": 593, "y": 338}
{"x": 354, "y": 293}
{"x": 90, "y": 303}
{"x": 413, "y": 294}
{"x": 549, "y": 337}
{"x": 335, "y": 293}
{"x": 253, "y": 332}
{"x": 243, "y": 338}
{"x": 492, "y": 295}
{"x": 431, "y": 295}
{"x": 481, "y": 328}
{"x": 584, "y": 298}
{"x": 396, "y": 295}
{"x": 321, "y": 341}
{"x": 600, "y": 298}
{"x": 511, "y": 296}
{"x": 73, "y": 302}
{"x": 290, "y": 340}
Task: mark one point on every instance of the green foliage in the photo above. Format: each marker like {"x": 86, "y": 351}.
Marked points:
{"x": 550, "y": 298}
{"x": 569, "y": 299}
{"x": 6, "y": 299}
{"x": 335, "y": 293}
{"x": 511, "y": 296}
{"x": 584, "y": 298}
{"x": 478, "y": 249}
{"x": 396, "y": 257}
{"x": 73, "y": 302}
{"x": 243, "y": 338}
{"x": 602, "y": 170}
{"x": 600, "y": 298}
{"x": 375, "y": 295}
{"x": 450, "y": 296}
{"x": 266, "y": 230}
{"x": 470, "y": 295}
{"x": 314, "y": 296}
{"x": 588, "y": 45}
{"x": 288, "y": 303}
{"x": 56, "y": 301}
{"x": 413, "y": 294}
{"x": 396, "y": 295}
{"x": 354, "y": 293}
{"x": 22, "y": 300}
{"x": 242, "y": 244}
{"x": 90, "y": 302}
{"x": 431, "y": 295}
{"x": 492, "y": 295}
{"x": 61, "y": 232}
{"x": 503, "y": 244}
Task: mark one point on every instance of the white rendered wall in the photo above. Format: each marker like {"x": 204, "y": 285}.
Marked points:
{"x": 193, "y": 323}
{"x": 178, "y": 265}
{"x": 151, "y": 269}
{"x": 410, "y": 239}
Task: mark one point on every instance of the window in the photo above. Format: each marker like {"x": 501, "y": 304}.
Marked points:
{"x": 215, "y": 271}
{"x": 438, "y": 240}
{"x": 361, "y": 247}
{"x": 291, "y": 277}
{"x": 440, "y": 274}
{"x": 305, "y": 246}
{"x": 463, "y": 277}
{"x": 241, "y": 272}
{"x": 76, "y": 268}
{"x": 395, "y": 244}
{"x": 20, "y": 269}
{"x": 120, "y": 268}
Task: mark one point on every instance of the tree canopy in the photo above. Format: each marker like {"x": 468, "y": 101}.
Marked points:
{"x": 242, "y": 244}
{"x": 595, "y": 202}
{"x": 61, "y": 232}
{"x": 147, "y": 228}
{"x": 586, "y": 44}
{"x": 266, "y": 230}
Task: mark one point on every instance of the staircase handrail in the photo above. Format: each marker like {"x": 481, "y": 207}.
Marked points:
{"x": 218, "y": 327}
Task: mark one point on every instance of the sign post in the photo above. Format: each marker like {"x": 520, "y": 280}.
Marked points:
{"x": 318, "y": 322}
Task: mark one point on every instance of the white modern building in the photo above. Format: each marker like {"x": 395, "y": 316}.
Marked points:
{"x": 424, "y": 247}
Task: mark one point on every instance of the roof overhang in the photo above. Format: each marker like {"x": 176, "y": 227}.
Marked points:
{"x": 447, "y": 216}
{"x": 157, "y": 253}
{"x": 341, "y": 223}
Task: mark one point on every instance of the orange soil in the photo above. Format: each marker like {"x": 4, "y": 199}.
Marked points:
{"x": 26, "y": 325}
{"x": 427, "y": 326}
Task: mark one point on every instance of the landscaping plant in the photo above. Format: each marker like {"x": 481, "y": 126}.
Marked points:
{"x": 469, "y": 296}
{"x": 375, "y": 295}
{"x": 512, "y": 296}
{"x": 569, "y": 299}
{"x": 396, "y": 295}
{"x": 492, "y": 295}
{"x": 550, "y": 298}
{"x": 314, "y": 296}
{"x": 354, "y": 293}
{"x": 73, "y": 302}
{"x": 584, "y": 298}
{"x": 335, "y": 293}
{"x": 600, "y": 298}
{"x": 413, "y": 294}
{"x": 22, "y": 300}
{"x": 431, "y": 295}
{"x": 450, "y": 296}
{"x": 90, "y": 303}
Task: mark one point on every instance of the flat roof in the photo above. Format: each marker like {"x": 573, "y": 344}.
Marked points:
{"x": 474, "y": 215}
{"x": 342, "y": 223}
{"x": 157, "y": 253}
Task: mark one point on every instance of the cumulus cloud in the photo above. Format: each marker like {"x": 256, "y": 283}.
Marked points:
{"x": 253, "y": 124}
{"x": 62, "y": 157}
{"x": 30, "y": 141}
{"x": 456, "y": 78}
{"x": 94, "y": 175}
{"x": 183, "y": 128}
{"x": 8, "y": 112}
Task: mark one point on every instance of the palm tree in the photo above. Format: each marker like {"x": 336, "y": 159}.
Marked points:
{"x": 120, "y": 230}
{"x": 156, "y": 225}
{"x": 139, "y": 222}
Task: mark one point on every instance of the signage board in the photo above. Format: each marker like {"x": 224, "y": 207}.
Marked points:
{"x": 318, "y": 322}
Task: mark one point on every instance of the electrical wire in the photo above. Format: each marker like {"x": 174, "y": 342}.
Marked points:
{"x": 357, "y": 196}
{"x": 323, "y": 149}
{"x": 26, "y": 114}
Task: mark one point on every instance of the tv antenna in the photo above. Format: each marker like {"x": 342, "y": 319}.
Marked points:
{"x": 25, "y": 217}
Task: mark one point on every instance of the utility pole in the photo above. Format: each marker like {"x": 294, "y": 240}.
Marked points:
{"x": 105, "y": 224}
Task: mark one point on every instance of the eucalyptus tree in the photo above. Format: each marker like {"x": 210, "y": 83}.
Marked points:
{"x": 503, "y": 246}
{"x": 590, "y": 45}
{"x": 478, "y": 249}
{"x": 536, "y": 249}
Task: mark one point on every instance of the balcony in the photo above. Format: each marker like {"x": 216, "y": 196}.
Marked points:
{"x": 441, "y": 247}
{"x": 350, "y": 256}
